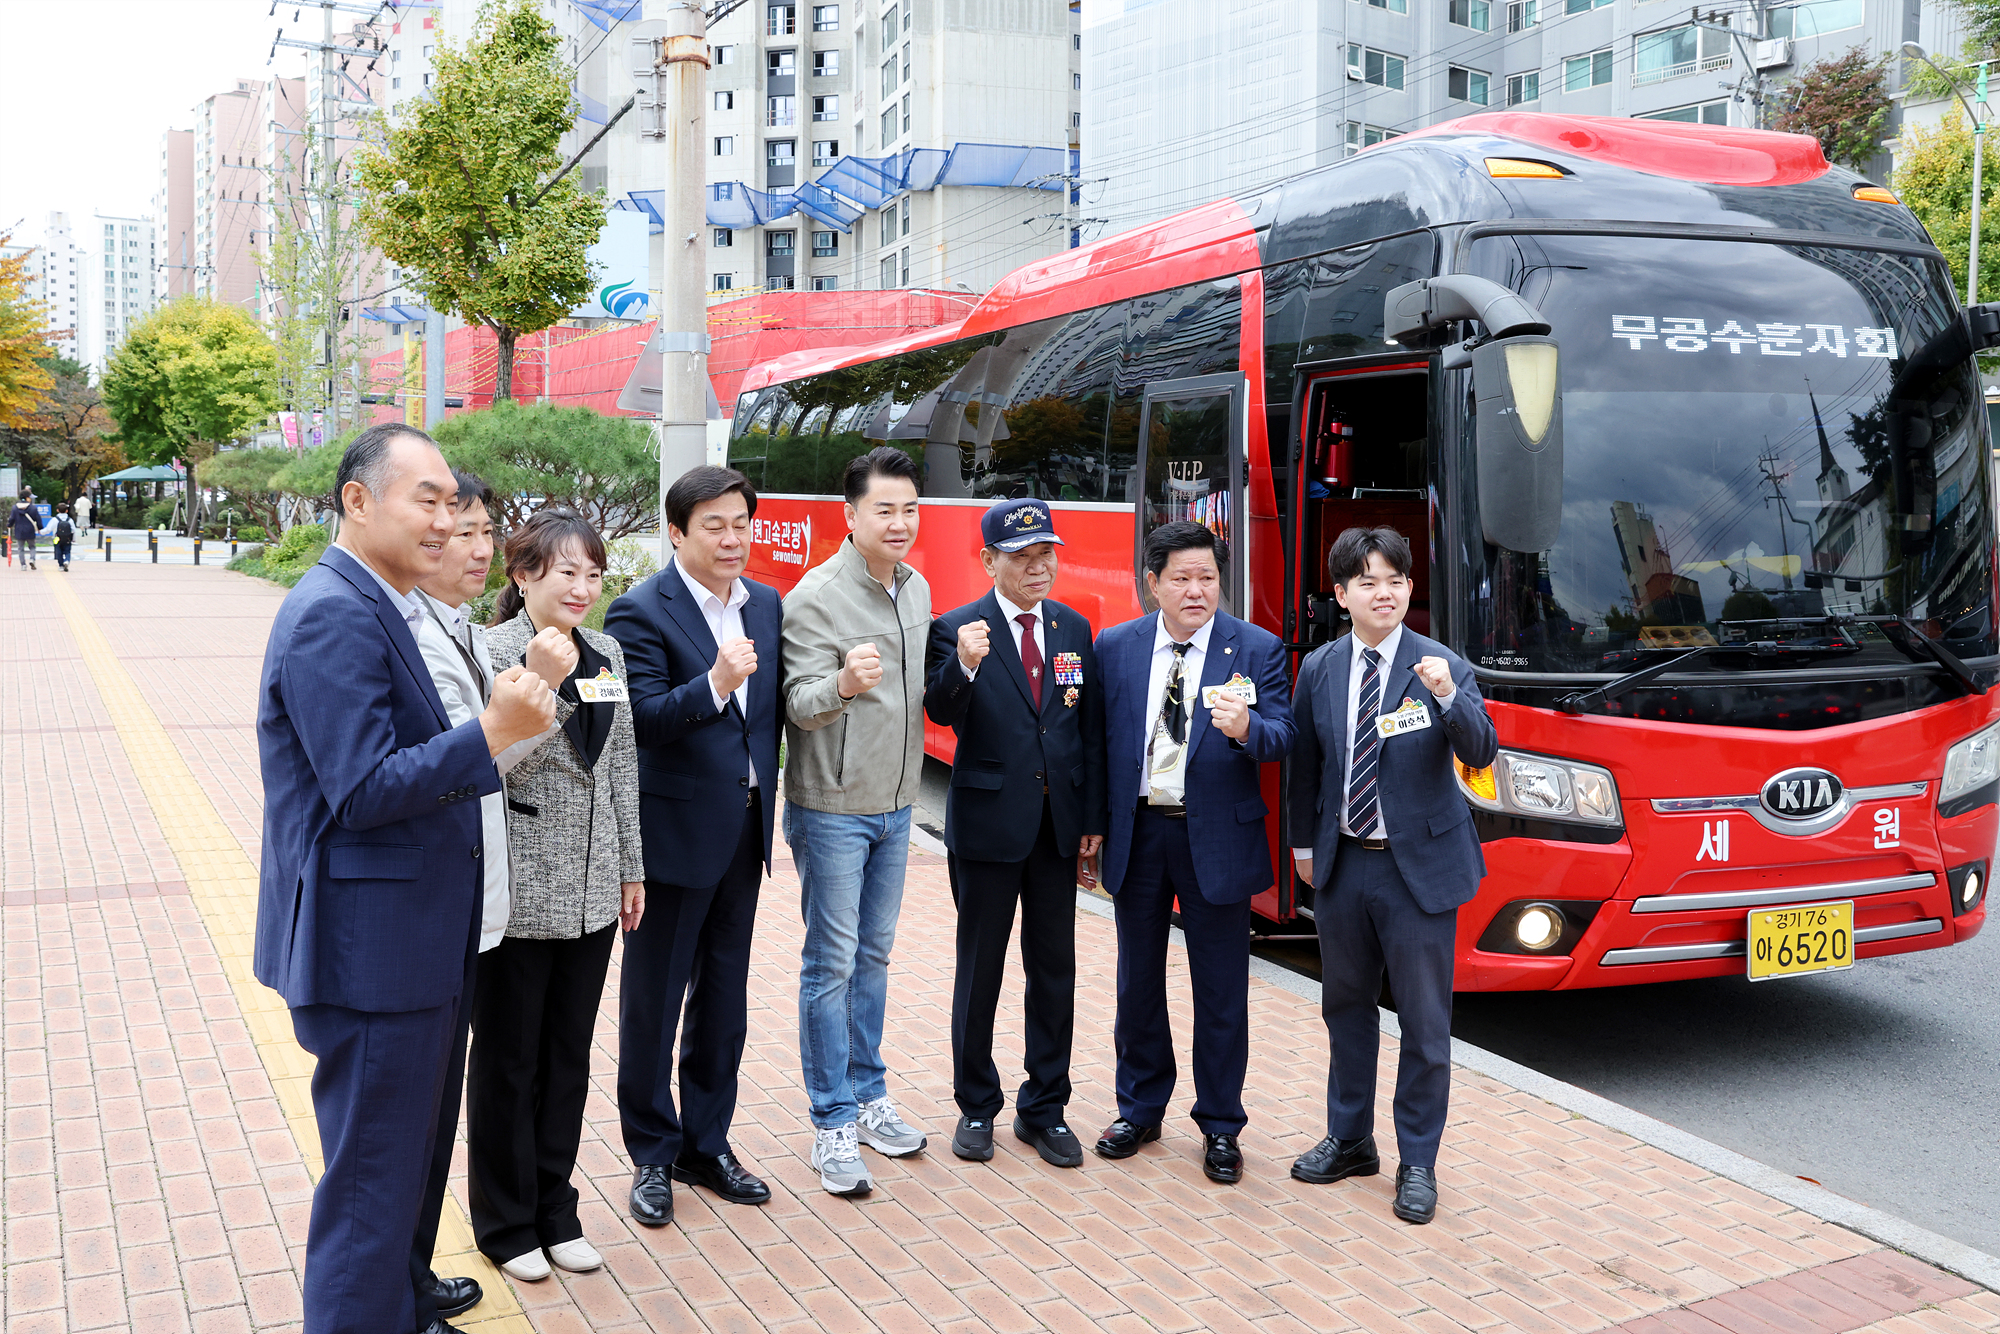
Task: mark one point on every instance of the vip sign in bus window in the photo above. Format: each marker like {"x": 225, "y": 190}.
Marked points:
{"x": 1758, "y": 438}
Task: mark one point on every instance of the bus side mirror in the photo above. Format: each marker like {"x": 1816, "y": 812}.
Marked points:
{"x": 1985, "y": 321}
{"x": 1518, "y": 441}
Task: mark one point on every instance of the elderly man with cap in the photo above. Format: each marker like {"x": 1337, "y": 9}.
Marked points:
{"x": 1015, "y": 676}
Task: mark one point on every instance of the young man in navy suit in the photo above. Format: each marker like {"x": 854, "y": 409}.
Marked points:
{"x": 370, "y": 890}
{"x": 1196, "y": 702}
{"x": 1382, "y": 712}
{"x": 701, "y": 659}
{"x": 1014, "y": 675}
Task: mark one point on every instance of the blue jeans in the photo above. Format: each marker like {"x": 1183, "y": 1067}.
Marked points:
{"x": 851, "y": 892}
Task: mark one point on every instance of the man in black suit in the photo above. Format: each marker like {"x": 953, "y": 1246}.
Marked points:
{"x": 1382, "y": 712}
{"x": 1014, "y": 675}
{"x": 695, "y": 636}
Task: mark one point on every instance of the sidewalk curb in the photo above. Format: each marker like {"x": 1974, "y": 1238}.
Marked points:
{"x": 1955, "y": 1257}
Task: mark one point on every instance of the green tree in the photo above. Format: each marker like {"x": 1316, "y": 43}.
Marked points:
{"x": 1934, "y": 178}
{"x": 193, "y": 374}
{"x": 536, "y": 454}
{"x": 24, "y": 344}
{"x": 1843, "y": 102}
{"x": 315, "y": 262}
{"x": 250, "y": 478}
{"x": 463, "y": 194}
{"x": 63, "y": 441}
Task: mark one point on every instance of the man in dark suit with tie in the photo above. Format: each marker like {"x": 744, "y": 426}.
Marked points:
{"x": 701, "y": 657}
{"x": 1187, "y": 822}
{"x": 370, "y": 889}
{"x": 1015, "y": 676}
{"x": 1382, "y": 711}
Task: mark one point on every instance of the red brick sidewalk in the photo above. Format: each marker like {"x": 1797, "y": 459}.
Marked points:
{"x": 156, "y": 1174}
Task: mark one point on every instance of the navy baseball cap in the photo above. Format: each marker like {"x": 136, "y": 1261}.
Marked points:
{"x": 1009, "y": 525}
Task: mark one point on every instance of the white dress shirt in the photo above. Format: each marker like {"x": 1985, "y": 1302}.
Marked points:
{"x": 1356, "y": 668}
{"x": 1174, "y": 782}
{"x": 459, "y": 686}
{"x": 1011, "y": 612}
{"x": 409, "y": 604}
{"x": 725, "y": 622}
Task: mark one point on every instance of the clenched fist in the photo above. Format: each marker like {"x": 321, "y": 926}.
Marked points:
{"x": 862, "y": 672}
{"x": 735, "y": 661}
{"x": 972, "y": 645}
{"x": 552, "y": 656}
{"x": 1435, "y": 673}
{"x": 1231, "y": 716}
{"x": 522, "y": 706}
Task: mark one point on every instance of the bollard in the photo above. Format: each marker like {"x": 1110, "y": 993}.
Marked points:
{"x": 154, "y": 543}
{"x": 232, "y": 549}
{"x": 197, "y": 551}
{"x": 106, "y": 544}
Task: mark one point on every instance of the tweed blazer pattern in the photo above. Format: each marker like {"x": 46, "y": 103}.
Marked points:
{"x": 572, "y": 832}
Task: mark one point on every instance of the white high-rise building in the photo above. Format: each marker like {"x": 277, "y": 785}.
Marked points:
{"x": 55, "y": 278}
{"x": 117, "y": 284}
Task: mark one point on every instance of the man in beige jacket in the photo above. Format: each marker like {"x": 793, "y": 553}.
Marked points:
{"x": 855, "y": 629}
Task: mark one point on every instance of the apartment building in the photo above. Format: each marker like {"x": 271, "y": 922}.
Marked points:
{"x": 173, "y": 211}
{"x": 116, "y": 272}
{"x": 1184, "y": 102}
{"x": 55, "y": 277}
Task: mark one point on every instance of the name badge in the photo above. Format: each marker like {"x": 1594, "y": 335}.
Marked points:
{"x": 604, "y": 688}
{"x": 1238, "y": 685}
{"x": 1412, "y": 717}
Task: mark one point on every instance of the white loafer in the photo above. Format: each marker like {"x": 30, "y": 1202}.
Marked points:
{"x": 578, "y": 1257}
{"x": 529, "y": 1268}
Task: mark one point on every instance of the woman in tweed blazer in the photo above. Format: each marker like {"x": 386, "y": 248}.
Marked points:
{"x": 578, "y": 874}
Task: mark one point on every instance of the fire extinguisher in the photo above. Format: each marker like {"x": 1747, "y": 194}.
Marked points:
{"x": 1333, "y": 452}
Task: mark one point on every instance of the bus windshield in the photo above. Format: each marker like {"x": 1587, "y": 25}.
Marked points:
{"x": 1760, "y": 442}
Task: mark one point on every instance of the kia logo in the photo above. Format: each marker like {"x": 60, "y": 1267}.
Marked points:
{"x": 1801, "y": 794}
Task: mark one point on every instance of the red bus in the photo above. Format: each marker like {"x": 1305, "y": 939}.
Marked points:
{"x": 1732, "y": 609}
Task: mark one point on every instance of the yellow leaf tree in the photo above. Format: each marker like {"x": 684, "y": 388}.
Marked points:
{"x": 24, "y": 343}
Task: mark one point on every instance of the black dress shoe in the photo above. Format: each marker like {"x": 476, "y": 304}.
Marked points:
{"x": 973, "y": 1140}
{"x": 1333, "y": 1160}
{"x": 438, "y": 1326}
{"x": 1121, "y": 1139}
{"x": 1416, "y": 1194}
{"x": 723, "y": 1175}
{"x": 1221, "y": 1159}
{"x": 1055, "y": 1143}
{"x": 652, "y": 1196}
{"x": 454, "y": 1296}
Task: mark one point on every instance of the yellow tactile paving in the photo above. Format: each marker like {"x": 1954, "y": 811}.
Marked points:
{"x": 222, "y": 880}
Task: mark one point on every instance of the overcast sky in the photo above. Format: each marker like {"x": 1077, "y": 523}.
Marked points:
{"x": 86, "y": 89}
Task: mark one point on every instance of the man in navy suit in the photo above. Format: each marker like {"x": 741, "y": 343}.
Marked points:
{"x": 1195, "y": 702}
{"x": 1015, "y": 676}
{"x": 701, "y": 659}
{"x": 370, "y": 891}
{"x": 1382, "y": 712}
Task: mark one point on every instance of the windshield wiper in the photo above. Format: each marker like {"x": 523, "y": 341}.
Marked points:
{"x": 1917, "y": 645}
{"x": 1585, "y": 700}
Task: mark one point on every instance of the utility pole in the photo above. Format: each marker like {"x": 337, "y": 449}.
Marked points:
{"x": 677, "y": 92}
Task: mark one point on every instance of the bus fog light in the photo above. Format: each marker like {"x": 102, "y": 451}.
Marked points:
{"x": 1969, "y": 890}
{"x": 1538, "y": 927}
{"x": 1539, "y": 788}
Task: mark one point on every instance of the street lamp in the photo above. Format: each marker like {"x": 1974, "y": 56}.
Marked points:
{"x": 1978, "y": 161}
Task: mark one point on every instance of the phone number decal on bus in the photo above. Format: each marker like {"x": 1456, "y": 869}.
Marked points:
{"x": 1686, "y": 333}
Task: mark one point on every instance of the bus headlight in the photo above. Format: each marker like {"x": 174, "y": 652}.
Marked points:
{"x": 1971, "y": 764}
{"x": 1542, "y": 788}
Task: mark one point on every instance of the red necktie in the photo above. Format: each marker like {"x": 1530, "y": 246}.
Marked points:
{"x": 1031, "y": 655}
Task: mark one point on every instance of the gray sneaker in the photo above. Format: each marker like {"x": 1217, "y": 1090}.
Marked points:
{"x": 837, "y": 1159}
{"x": 887, "y": 1133}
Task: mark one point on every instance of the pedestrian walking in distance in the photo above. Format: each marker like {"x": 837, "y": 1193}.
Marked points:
{"x": 854, "y": 636}
{"x": 64, "y": 529}
{"x": 23, "y": 527}
{"x": 577, "y": 877}
{"x": 1382, "y": 712}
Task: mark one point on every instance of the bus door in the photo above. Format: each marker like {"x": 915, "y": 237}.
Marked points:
{"x": 1361, "y": 460}
{"x": 1191, "y": 466}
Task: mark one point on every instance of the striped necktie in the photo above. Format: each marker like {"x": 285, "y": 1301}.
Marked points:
{"x": 1363, "y": 792}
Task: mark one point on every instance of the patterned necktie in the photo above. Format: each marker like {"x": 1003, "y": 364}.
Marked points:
{"x": 1170, "y": 728}
{"x": 1031, "y": 655}
{"x": 1363, "y": 793}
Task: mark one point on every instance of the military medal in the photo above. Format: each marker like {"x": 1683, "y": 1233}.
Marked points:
{"x": 1069, "y": 697}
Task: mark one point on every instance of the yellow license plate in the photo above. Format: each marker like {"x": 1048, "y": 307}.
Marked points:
{"x": 1784, "y": 942}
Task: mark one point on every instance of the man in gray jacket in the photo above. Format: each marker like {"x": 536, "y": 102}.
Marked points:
{"x": 855, "y": 629}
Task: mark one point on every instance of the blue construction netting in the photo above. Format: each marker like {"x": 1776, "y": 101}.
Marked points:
{"x": 396, "y": 314}
{"x": 854, "y": 185}
{"x": 604, "y": 13}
